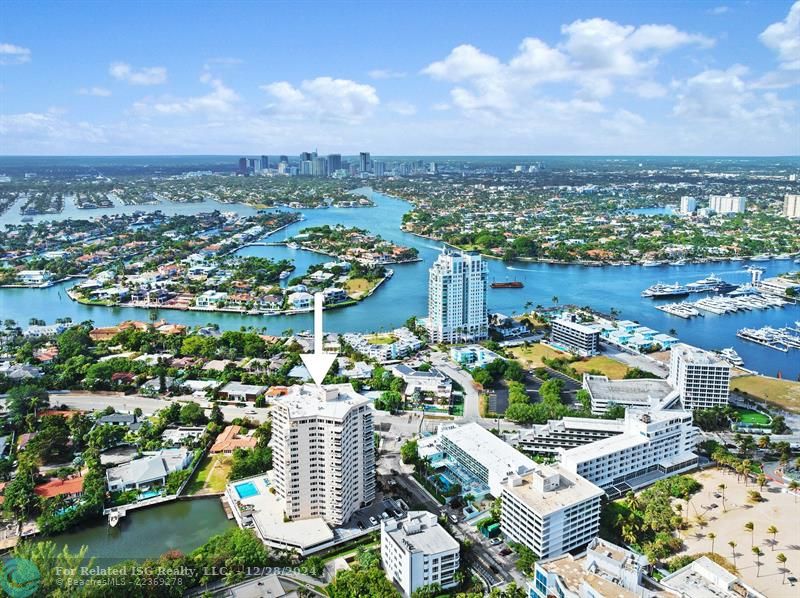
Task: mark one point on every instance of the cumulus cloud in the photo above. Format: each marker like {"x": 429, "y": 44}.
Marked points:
{"x": 727, "y": 96}
{"x": 784, "y": 38}
{"x": 220, "y": 100}
{"x": 100, "y": 92}
{"x": 11, "y": 54}
{"x": 148, "y": 75}
{"x": 593, "y": 54}
{"x": 323, "y": 98}
{"x": 386, "y": 74}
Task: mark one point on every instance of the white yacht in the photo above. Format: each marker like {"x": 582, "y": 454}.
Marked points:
{"x": 731, "y": 356}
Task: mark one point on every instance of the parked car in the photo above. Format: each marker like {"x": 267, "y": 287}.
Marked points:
{"x": 384, "y": 515}
{"x": 452, "y": 518}
{"x": 250, "y": 412}
{"x": 360, "y": 526}
{"x": 373, "y": 521}
{"x": 495, "y": 541}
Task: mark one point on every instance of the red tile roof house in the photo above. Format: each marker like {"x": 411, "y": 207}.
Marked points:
{"x": 229, "y": 440}
{"x": 71, "y": 488}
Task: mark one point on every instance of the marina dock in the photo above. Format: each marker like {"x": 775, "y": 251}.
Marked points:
{"x": 722, "y": 305}
{"x": 780, "y": 339}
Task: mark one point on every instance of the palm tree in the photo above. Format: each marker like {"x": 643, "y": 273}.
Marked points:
{"x": 761, "y": 481}
{"x": 555, "y": 299}
{"x": 749, "y": 527}
{"x": 732, "y": 544}
{"x": 793, "y": 486}
{"x": 758, "y": 554}
{"x": 712, "y": 536}
{"x": 630, "y": 498}
{"x": 774, "y": 531}
{"x": 781, "y": 558}
{"x": 722, "y": 488}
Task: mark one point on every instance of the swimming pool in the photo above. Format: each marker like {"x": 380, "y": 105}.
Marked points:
{"x": 149, "y": 494}
{"x": 246, "y": 489}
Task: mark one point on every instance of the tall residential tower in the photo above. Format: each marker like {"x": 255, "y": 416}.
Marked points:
{"x": 457, "y": 297}
{"x": 323, "y": 452}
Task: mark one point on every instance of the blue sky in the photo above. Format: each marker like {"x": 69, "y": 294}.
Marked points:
{"x": 656, "y": 77}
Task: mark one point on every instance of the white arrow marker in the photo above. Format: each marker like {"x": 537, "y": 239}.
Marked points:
{"x": 318, "y": 363}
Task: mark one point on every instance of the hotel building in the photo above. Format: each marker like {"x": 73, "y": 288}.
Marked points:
{"x": 577, "y": 338}
{"x": 417, "y": 551}
{"x": 701, "y": 378}
{"x": 550, "y": 510}
{"x": 323, "y": 452}
{"x": 655, "y": 443}
{"x": 570, "y": 432}
{"x": 605, "y": 569}
{"x": 457, "y": 298}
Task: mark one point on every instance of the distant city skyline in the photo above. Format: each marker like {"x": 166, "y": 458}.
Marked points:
{"x": 444, "y": 79}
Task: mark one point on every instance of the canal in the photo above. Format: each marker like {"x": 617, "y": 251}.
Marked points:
{"x": 406, "y": 293}
{"x": 148, "y": 533}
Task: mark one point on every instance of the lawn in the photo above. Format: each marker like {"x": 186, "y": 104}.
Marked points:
{"x": 782, "y": 393}
{"x": 753, "y": 418}
{"x": 212, "y": 475}
{"x": 612, "y": 368}
{"x": 358, "y": 287}
{"x": 382, "y": 339}
{"x": 532, "y": 356}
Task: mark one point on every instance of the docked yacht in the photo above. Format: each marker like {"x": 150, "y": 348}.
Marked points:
{"x": 651, "y": 263}
{"x": 762, "y": 257}
{"x": 665, "y": 290}
{"x": 292, "y": 245}
{"x": 783, "y": 256}
{"x": 731, "y": 356}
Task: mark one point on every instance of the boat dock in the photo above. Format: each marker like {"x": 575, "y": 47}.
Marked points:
{"x": 722, "y": 304}
{"x": 780, "y": 339}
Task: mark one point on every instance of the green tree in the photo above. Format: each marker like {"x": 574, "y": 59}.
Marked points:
{"x": 192, "y": 414}
{"x": 409, "y": 452}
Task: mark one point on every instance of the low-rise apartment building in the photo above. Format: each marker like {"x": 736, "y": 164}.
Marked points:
{"x": 417, "y": 551}
{"x": 581, "y": 339}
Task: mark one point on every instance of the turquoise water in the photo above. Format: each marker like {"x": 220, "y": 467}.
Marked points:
{"x": 149, "y": 494}
{"x": 246, "y": 490}
{"x": 406, "y": 293}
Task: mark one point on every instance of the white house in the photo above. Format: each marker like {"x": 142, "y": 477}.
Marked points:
{"x": 301, "y": 300}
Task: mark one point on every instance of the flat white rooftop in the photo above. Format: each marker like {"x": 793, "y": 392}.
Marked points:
{"x": 422, "y": 532}
{"x": 703, "y": 578}
{"x": 332, "y": 400}
{"x": 624, "y": 392}
{"x": 572, "y": 489}
{"x": 696, "y": 356}
{"x": 490, "y": 451}
{"x": 599, "y": 448}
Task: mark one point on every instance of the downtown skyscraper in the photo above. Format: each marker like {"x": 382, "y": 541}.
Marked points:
{"x": 457, "y": 297}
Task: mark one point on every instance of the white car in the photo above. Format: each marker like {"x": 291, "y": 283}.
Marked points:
{"x": 373, "y": 521}
{"x": 250, "y": 412}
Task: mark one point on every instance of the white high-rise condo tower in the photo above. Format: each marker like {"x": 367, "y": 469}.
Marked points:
{"x": 700, "y": 377}
{"x": 457, "y": 297}
{"x": 323, "y": 452}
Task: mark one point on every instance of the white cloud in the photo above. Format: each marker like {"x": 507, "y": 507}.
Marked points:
{"x": 323, "y": 98}
{"x": 784, "y": 38}
{"x": 649, "y": 90}
{"x": 402, "y": 108}
{"x": 100, "y": 92}
{"x": 220, "y": 100}
{"x": 386, "y": 74}
{"x": 725, "y": 96}
{"x": 441, "y": 106}
{"x": 592, "y": 56}
{"x": 718, "y": 10}
{"x": 148, "y": 75}
{"x": 11, "y": 54}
